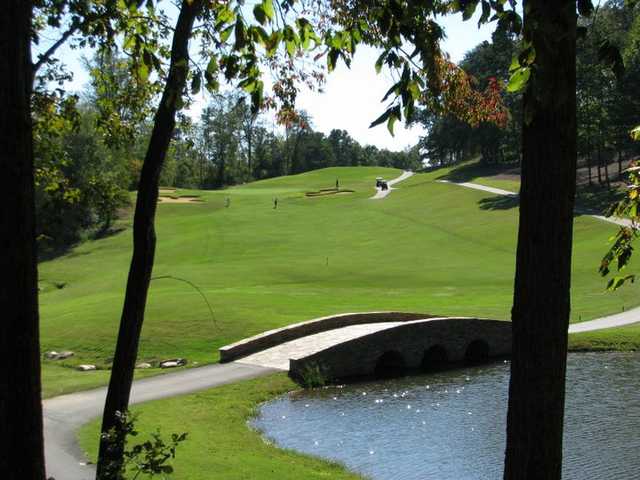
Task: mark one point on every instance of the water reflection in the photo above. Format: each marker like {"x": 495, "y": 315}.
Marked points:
{"x": 450, "y": 425}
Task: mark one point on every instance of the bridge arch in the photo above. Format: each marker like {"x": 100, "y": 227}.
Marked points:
{"x": 477, "y": 351}
{"x": 390, "y": 364}
{"x": 435, "y": 357}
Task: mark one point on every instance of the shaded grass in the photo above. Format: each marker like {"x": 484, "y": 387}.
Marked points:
{"x": 625, "y": 338}
{"x": 428, "y": 247}
{"x": 220, "y": 444}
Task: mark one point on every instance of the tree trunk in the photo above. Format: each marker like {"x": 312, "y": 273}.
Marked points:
{"x": 144, "y": 242}
{"x": 541, "y": 304}
{"x": 22, "y": 456}
{"x": 249, "y": 152}
{"x": 589, "y": 159}
{"x": 619, "y": 162}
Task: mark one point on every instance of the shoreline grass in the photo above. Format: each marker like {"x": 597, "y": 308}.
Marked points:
{"x": 227, "y": 449}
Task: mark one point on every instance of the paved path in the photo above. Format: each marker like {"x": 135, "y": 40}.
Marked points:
{"x": 617, "y": 320}
{"x": 624, "y": 222}
{"x": 278, "y": 356}
{"x": 65, "y": 414}
{"x": 380, "y": 194}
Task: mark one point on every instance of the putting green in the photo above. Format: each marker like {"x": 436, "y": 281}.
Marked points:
{"x": 428, "y": 247}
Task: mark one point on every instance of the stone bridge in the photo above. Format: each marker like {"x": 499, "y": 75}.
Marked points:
{"x": 375, "y": 343}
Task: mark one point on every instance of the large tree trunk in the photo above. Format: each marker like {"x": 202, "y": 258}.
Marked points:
{"x": 22, "y": 456}
{"x": 144, "y": 242}
{"x": 543, "y": 266}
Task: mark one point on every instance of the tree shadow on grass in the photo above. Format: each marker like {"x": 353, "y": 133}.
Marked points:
{"x": 471, "y": 171}
{"x": 589, "y": 201}
{"x": 50, "y": 250}
{"x": 596, "y": 200}
{"x": 499, "y": 202}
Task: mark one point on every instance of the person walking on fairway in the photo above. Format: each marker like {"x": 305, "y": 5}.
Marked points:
{"x": 337, "y": 185}
{"x": 275, "y": 203}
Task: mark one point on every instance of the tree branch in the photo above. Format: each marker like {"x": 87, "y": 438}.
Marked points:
{"x": 46, "y": 56}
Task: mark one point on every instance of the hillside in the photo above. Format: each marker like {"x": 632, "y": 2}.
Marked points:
{"x": 428, "y": 247}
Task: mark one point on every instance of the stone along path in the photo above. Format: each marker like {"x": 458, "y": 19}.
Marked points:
{"x": 380, "y": 194}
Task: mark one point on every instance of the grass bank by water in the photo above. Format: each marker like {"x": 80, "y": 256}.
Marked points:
{"x": 220, "y": 445}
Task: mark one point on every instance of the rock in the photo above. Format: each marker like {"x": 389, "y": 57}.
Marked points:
{"x": 144, "y": 365}
{"x": 172, "y": 363}
{"x": 85, "y": 367}
{"x": 53, "y": 355}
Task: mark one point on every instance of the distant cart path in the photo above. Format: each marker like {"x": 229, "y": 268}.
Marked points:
{"x": 623, "y": 222}
{"x": 380, "y": 194}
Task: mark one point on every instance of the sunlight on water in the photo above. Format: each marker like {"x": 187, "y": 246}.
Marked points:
{"x": 450, "y": 425}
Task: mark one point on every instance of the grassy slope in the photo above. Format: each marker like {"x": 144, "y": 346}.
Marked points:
{"x": 226, "y": 449}
{"x": 428, "y": 247}
{"x": 593, "y": 199}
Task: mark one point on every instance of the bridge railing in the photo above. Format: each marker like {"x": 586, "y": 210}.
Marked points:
{"x": 277, "y": 336}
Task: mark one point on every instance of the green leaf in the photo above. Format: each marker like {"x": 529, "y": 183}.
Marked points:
{"x": 267, "y": 6}
{"x": 196, "y": 81}
{"x": 240, "y": 34}
{"x": 225, "y": 15}
{"x": 260, "y": 14}
{"x": 393, "y": 118}
{"x": 332, "y": 59}
{"x": 142, "y": 72}
{"x": 226, "y": 33}
{"x": 393, "y": 89}
{"x": 486, "y": 11}
{"x": 469, "y": 10}
{"x": 381, "y": 119}
{"x": 212, "y": 66}
{"x": 635, "y": 133}
{"x": 515, "y": 64}
{"x": 519, "y": 79}
{"x": 380, "y": 61}
{"x": 414, "y": 89}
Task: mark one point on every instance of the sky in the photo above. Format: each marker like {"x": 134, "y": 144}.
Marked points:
{"x": 351, "y": 97}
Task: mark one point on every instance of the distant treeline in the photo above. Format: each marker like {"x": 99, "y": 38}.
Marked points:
{"x": 608, "y": 107}
{"x": 230, "y": 145}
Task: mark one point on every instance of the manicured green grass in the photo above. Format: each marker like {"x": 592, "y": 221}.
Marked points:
{"x": 428, "y": 247}
{"x": 625, "y": 338}
{"x": 226, "y": 449}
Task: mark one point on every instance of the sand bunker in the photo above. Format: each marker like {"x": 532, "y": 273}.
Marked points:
{"x": 327, "y": 191}
{"x": 166, "y": 191}
{"x": 185, "y": 199}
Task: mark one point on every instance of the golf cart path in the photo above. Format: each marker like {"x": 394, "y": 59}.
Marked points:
{"x": 65, "y": 414}
{"x": 380, "y": 194}
{"x": 623, "y": 222}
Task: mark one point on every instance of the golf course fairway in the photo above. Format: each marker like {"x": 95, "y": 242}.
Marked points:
{"x": 427, "y": 247}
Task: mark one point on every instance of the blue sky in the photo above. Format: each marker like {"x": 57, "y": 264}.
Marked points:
{"x": 351, "y": 98}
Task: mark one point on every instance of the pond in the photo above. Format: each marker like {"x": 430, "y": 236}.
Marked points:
{"x": 451, "y": 425}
